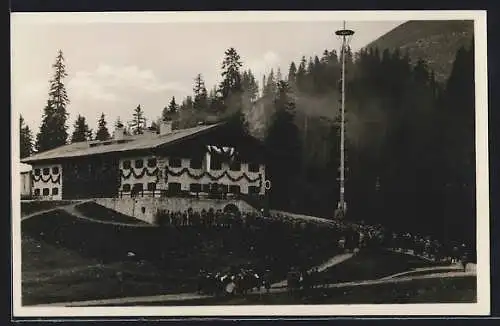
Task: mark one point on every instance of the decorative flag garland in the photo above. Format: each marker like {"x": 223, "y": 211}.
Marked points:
{"x": 143, "y": 172}
{"x": 228, "y": 153}
{"x": 213, "y": 177}
{"x": 54, "y": 179}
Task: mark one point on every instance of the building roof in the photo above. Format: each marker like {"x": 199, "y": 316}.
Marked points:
{"x": 129, "y": 143}
{"x": 24, "y": 168}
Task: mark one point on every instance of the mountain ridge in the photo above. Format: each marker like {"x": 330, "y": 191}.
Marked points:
{"x": 435, "y": 41}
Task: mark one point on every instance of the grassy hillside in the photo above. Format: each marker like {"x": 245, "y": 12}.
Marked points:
{"x": 434, "y": 41}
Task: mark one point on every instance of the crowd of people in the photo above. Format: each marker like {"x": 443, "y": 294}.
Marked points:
{"x": 345, "y": 235}
{"x": 236, "y": 280}
{"x": 348, "y": 235}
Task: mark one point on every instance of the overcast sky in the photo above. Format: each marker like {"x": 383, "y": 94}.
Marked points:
{"x": 115, "y": 66}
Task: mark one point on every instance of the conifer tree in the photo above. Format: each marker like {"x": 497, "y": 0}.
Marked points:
{"x": 291, "y": 78}
{"x": 102, "y": 130}
{"x": 169, "y": 112}
{"x": 26, "y": 138}
{"x": 138, "y": 122}
{"x": 200, "y": 94}
{"x": 53, "y": 130}
{"x": 231, "y": 82}
{"x": 81, "y": 130}
{"x": 249, "y": 85}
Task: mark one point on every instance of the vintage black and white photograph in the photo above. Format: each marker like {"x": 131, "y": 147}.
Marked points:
{"x": 250, "y": 163}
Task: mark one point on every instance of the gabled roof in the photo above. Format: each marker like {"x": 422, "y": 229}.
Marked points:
{"x": 24, "y": 168}
{"x": 130, "y": 143}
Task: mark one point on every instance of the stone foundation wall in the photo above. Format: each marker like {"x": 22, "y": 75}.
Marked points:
{"x": 145, "y": 209}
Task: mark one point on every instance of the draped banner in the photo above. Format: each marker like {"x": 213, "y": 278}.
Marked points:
{"x": 227, "y": 153}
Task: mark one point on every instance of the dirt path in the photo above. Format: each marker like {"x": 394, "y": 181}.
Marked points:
{"x": 335, "y": 260}
{"x": 71, "y": 209}
{"x": 191, "y": 296}
{"x": 75, "y": 212}
{"x": 26, "y": 217}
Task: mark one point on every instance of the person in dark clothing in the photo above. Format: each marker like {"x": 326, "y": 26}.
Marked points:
{"x": 210, "y": 216}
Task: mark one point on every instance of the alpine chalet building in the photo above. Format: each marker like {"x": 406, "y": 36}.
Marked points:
{"x": 201, "y": 167}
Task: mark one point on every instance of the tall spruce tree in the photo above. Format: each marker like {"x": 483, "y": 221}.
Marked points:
{"x": 249, "y": 85}
{"x": 231, "y": 76}
{"x": 138, "y": 122}
{"x": 81, "y": 130}
{"x": 169, "y": 112}
{"x": 200, "y": 94}
{"x": 26, "y": 138}
{"x": 102, "y": 130}
{"x": 292, "y": 75}
{"x": 53, "y": 130}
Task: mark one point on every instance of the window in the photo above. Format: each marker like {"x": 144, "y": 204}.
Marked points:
{"x": 37, "y": 173}
{"x": 224, "y": 188}
{"x": 215, "y": 163}
{"x": 152, "y": 162}
{"x": 175, "y": 162}
{"x": 46, "y": 191}
{"x": 139, "y": 164}
{"x": 55, "y": 170}
{"x": 151, "y": 186}
{"x": 253, "y": 190}
{"x": 195, "y": 187}
{"x": 235, "y": 166}
{"x": 174, "y": 187}
{"x": 234, "y": 189}
{"x": 126, "y": 187}
{"x": 253, "y": 167}
{"x": 126, "y": 165}
{"x": 138, "y": 187}
{"x": 37, "y": 191}
{"x": 46, "y": 171}
{"x": 55, "y": 191}
{"x": 205, "y": 188}
{"x": 196, "y": 163}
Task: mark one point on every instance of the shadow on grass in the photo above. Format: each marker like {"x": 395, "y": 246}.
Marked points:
{"x": 373, "y": 264}
{"x": 71, "y": 259}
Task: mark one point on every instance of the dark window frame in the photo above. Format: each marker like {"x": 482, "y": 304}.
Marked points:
{"x": 205, "y": 188}
{"x": 172, "y": 160}
{"x": 195, "y": 187}
{"x": 177, "y": 189}
{"x": 126, "y": 164}
{"x": 45, "y": 193}
{"x": 36, "y": 192}
{"x": 198, "y": 161}
{"x": 138, "y": 186}
{"x": 46, "y": 171}
{"x": 37, "y": 172}
{"x": 151, "y": 186}
{"x": 233, "y": 187}
{"x": 152, "y": 162}
{"x": 126, "y": 187}
{"x": 253, "y": 190}
{"x": 235, "y": 166}
{"x": 55, "y": 170}
{"x": 139, "y": 163}
{"x": 55, "y": 191}
{"x": 213, "y": 165}
{"x": 253, "y": 167}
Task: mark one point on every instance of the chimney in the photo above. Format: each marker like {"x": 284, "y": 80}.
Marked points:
{"x": 119, "y": 133}
{"x": 165, "y": 128}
